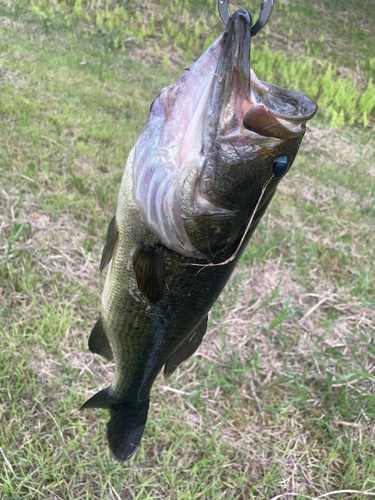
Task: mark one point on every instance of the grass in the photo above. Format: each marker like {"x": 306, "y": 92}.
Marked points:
{"x": 183, "y": 28}
{"x": 279, "y": 399}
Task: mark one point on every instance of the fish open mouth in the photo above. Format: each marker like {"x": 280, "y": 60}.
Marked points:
{"x": 217, "y": 116}
{"x": 260, "y": 107}
{"x": 280, "y": 113}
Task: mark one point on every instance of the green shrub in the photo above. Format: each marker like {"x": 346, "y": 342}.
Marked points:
{"x": 342, "y": 100}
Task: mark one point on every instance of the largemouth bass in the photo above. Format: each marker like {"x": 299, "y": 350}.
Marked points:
{"x": 196, "y": 184}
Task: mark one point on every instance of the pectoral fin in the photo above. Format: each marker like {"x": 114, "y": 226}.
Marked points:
{"x": 110, "y": 244}
{"x": 210, "y": 233}
{"x": 149, "y": 269}
{"x": 98, "y": 342}
{"x": 186, "y": 349}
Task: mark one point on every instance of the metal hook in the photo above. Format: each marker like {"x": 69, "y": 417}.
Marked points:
{"x": 265, "y": 13}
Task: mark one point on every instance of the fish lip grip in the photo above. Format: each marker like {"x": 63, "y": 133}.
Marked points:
{"x": 265, "y": 13}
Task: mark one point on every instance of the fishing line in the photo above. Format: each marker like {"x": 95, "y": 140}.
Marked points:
{"x": 233, "y": 256}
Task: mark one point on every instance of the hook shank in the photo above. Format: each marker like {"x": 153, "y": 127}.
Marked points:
{"x": 265, "y": 13}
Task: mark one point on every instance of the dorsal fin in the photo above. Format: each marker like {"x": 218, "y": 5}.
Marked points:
{"x": 186, "y": 349}
{"x": 98, "y": 341}
{"x": 110, "y": 244}
{"x": 149, "y": 269}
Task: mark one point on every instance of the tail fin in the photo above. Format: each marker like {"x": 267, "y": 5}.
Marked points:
{"x": 126, "y": 425}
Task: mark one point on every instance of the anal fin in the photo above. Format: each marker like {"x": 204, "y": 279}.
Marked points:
{"x": 98, "y": 341}
{"x": 101, "y": 399}
{"x": 110, "y": 244}
{"x": 186, "y": 349}
{"x": 149, "y": 269}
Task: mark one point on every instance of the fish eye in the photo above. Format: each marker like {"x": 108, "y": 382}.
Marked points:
{"x": 280, "y": 166}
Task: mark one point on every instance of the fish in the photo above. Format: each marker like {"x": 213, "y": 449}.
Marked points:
{"x": 199, "y": 179}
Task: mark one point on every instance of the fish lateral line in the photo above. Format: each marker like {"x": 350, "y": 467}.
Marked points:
{"x": 233, "y": 256}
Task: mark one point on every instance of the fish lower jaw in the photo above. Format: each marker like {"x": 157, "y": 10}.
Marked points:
{"x": 273, "y": 110}
{"x": 262, "y": 121}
